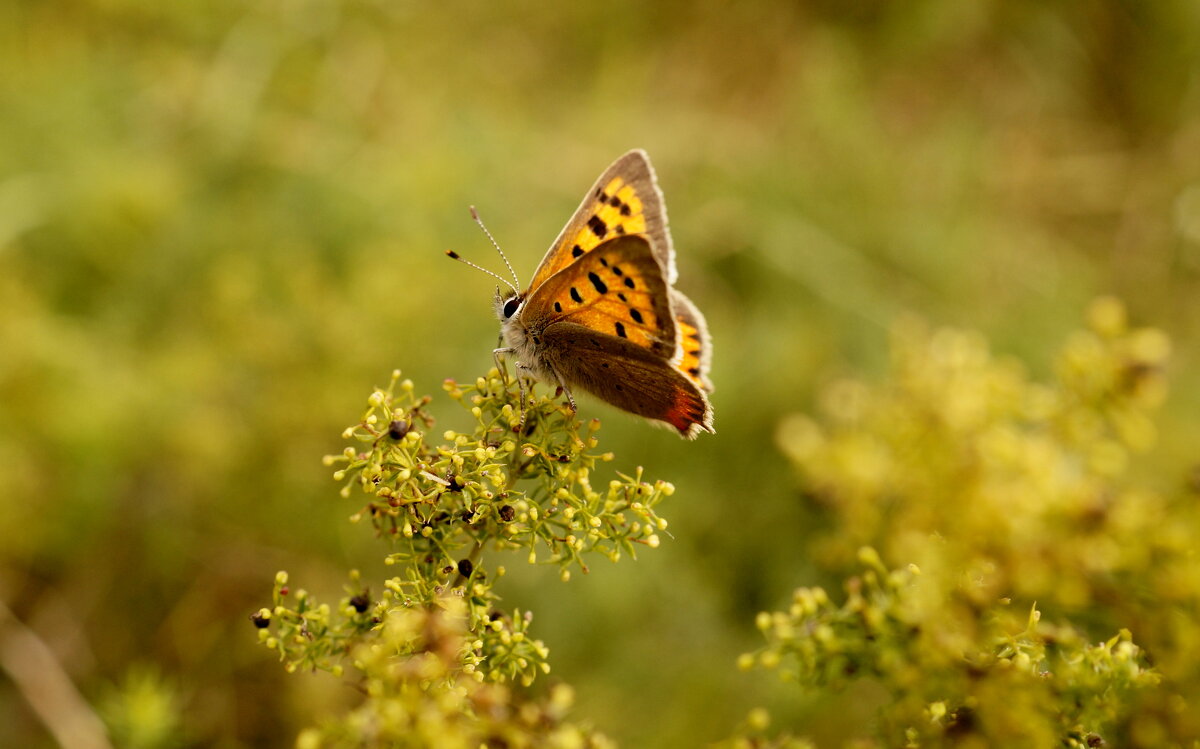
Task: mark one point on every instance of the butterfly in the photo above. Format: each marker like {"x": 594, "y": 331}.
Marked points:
{"x": 602, "y": 313}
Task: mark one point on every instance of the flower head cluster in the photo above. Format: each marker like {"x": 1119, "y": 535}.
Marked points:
{"x": 519, "y": 480}
{"x": 1010, "y": 679}
{"x": 960, "y": 461}
{"x": 418, "y": 695}
{"x": 513, "y": 480}
{"x": 1012, "y": 497}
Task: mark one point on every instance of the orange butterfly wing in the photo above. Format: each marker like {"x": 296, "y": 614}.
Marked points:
{"x": 616, "y": 289}
{"x": 625, "y": 200}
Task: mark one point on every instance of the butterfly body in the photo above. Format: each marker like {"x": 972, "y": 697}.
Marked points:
{"x": 602, "y": 315}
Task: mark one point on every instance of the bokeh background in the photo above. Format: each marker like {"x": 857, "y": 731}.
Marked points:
{"x": 222, "y": 223}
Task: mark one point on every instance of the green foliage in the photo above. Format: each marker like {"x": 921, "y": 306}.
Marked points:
{"x": 220, "y": 220}
{"x": 517, "y": 481}
{"x": 997, "y": 492}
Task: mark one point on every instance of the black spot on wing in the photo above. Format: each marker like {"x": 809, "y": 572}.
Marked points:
{"x": 625, "y": 209}
{"x": 636, "y": 315}
{"x": 621, "y": 330}
{"x": 576, "y": 251}
{"x": 598, "y": 227}
{"x": 621, "y": 296}
{"x": 694, "y": 371}
{"x": 619, "y": 229}
{"x": 575, "y": 295}
{"x": 600, "y": 285}
{"x": 618, "y": 271}
{"x": 614, "y": 201}
{"x": 629, "y": 282}
{"x": 557, "y": 307}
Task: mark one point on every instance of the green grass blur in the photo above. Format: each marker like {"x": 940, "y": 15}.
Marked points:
{"x": 222, "y": 223}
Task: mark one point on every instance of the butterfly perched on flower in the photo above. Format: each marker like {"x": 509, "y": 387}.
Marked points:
{"x": 602, "y": 313}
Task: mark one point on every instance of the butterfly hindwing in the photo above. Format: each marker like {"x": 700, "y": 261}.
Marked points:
{"x": 625, "y": 200}
{"x": 617, "y": 289}
{"x": 693, "y": 351}
{"x": 628, "y": 376}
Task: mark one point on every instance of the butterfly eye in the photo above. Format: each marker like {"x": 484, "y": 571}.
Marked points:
{"x": 510, "y": 307}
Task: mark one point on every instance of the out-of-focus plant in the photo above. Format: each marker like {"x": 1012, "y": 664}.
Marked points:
{"x": 1001, "y": 678}
{"x": 426, "y": 646}
{"x": 1024, "y": 482}
{"x": 143, "y": 711}
{"x": 999, "y": 499}
{"x": 418, "y": 693}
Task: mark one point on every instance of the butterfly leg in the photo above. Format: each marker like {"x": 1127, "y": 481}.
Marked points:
{"x": 562, "y": 388}
{"x": 524, "y": 371}
{"x": 496, "y": 354}
{"x": 502, "y": 369}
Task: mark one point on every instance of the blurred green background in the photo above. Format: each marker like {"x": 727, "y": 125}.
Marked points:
{"x": 222, "y": 223}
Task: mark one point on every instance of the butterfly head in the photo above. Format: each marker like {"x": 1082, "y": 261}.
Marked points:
{"x": 508, "y": 305}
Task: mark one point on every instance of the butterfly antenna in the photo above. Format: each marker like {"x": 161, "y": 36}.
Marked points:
{"x": 475, "y": 215}
{"x": 501, "y": 279}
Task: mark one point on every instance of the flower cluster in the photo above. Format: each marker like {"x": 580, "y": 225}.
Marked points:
{"x": 418, "y": 695}
{"x": 517, "y": 479}
{"x": 1011, "y": 679}
{"x": 1012, "y": 497}
{"x": 435, "y": 498}
{"x": 1022, "y": 480}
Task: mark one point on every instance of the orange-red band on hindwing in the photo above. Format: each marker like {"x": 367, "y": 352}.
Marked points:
{"x": 686, "y": 410}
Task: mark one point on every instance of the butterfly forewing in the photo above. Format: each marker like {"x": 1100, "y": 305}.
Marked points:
{"x": 625, "y": 200}
{"x": 616, "y": 289}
